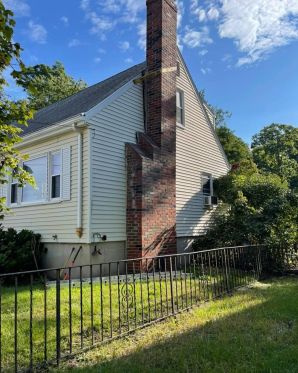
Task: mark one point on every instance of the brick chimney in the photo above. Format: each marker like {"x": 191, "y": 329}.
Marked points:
{"x": 151, "y": 163}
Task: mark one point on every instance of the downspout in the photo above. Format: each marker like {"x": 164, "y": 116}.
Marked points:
{"x": 79, "y": 229}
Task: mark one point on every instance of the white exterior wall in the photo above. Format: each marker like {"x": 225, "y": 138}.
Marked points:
{"x": 111, "y": 128}
{"x": 198, "y": 151}
{"x": 49, "y": 219}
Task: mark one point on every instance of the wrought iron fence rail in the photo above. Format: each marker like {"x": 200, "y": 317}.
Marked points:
{"x": 49, "y": 315}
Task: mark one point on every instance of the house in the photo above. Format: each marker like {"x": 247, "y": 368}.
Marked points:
{"x": 124, "y": 168}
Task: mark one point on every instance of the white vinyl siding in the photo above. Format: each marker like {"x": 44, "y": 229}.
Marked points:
{"x": 111, "y": 128}
{"x": 198, "y": 153}
{"x": 66, "y": 169}
{"x": 57, "y": 217}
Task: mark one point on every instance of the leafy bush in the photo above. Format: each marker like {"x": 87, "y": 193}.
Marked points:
{"x": 19, "y": 251}
{"x": 256, "y": 209}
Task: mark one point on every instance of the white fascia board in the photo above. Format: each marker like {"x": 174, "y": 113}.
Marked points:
{"x": 52, "y": 131}
{"x": 107, "y": 101}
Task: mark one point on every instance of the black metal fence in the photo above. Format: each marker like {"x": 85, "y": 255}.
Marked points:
{"x": 49, "y": 315}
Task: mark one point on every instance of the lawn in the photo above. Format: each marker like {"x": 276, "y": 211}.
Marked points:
{"x": 254, "y": 330}
{"x": 116, "y": 308}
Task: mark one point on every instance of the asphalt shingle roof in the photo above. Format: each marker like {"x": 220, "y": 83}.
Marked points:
{"x": 82, "y": 101}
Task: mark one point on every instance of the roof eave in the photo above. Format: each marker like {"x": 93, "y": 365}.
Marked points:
{"x": 57, "y": 129}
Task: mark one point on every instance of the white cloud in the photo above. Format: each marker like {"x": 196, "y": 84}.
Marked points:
{"x": 194, "y": 39}
{"x": 85, "y": 4}
{"x": 181, "y": 10}
{"x": 37, "y": 32}
{"x": 131, "y": 10}
{"x": 99, "y": 24}
{"x": 203, "y": 52}
{"x": 124, "y": 46}
{"x": 19, "y": 7}
{"x": 260, "y": 26}
{"x": 205, "y": 70}
{"x": 213, "y": 13}
{"x": 128, "y": 60}
{"x": 142, "y": 29}
{"x": 101, "y": 15}
{"x": 64, "y": 20}
{"x": 74, "y": 43}
{"x": 97, "y": 59}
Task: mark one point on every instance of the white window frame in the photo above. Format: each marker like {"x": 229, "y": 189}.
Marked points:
{"x": 22, "y": 203}
{"x": 9, "y": 202}
{"x": 209, "y": 177}
{"x": 50, "y": 175}
{"x": 181, "y": 108}
{"x": 48, "y": 199}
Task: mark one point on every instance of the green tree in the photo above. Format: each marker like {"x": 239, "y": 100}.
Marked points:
{"x": 10, "y": 111}
{"x": 275, "y": 150}
{"x": 51, "y": 84}
{"x": 255, "y": 209}
{"x": 221, "y": 115}
{"x": 235, "y": 148}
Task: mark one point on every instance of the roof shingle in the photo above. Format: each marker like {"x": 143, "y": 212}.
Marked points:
{"x": 82, "y": 101}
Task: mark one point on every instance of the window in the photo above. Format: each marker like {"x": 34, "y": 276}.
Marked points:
{"x": 38, "y": 168}
{"x": 52, "y": 175}
{"x": 207, "y": 184}
{"x": 56, "y": 175}
{"x": 180, "y": 107}
{"x": 14, "y": 193}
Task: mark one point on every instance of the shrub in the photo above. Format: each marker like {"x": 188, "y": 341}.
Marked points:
{"x": 19, "y": 251}
{"x": 256, "y": 209}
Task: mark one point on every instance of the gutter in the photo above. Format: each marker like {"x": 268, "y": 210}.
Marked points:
{"x": 76, "y": 124}
{"x": 78, "y": 128}
{"x": 53, "y": 130}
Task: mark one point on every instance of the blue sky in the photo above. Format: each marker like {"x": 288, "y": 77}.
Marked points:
{"x": 244, "y": 53}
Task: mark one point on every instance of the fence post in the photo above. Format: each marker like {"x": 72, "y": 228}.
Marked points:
{"x": 226, "y": 272}
{"x": 58, "y": 318}
{"x": 171, "y": 283}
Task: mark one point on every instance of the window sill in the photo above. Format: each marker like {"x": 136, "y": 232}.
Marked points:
{"x": 30, "y": 204}
{"x": 180, "y": 125}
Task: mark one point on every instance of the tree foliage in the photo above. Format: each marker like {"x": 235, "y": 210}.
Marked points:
{"x": 51, "y": 84}
{"x": 19, "y": 251}
{"x": 275, "y": 150}
{"x": 10, "y": 111}
{"x": 255, "y": 209}
{"x": 235, "y": 148}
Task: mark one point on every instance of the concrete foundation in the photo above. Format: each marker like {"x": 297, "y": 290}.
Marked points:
{"x": 105, "y": 252}
{"x": 57, "y": 256}
{"x": 184, "y": 244}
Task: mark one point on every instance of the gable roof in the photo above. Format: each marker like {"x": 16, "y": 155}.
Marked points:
{"x": 204, "y": 106}
{"x": 82, "y": 101}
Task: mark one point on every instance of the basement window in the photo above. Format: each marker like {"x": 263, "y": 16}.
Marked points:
{"x": 180, "y": 111}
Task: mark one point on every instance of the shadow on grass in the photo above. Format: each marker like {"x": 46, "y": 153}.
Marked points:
{"x": 252, "y": 331}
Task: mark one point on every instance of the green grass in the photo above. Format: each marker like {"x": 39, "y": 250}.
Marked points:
{"x": 147, "y": 300}
{"x": 255, "y": 330}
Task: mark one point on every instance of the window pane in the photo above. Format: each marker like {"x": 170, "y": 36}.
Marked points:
{"x": 179, "y": 99}
{"x": 14, "y": 193}
{"x": 38, "y": 168}
{"x": 179, "y": 118}
{"x": 56, "y": 164}
{"x": 207, "y": 185}
{"x": 56, "y": 186}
